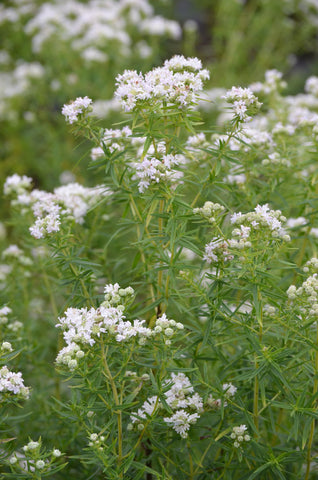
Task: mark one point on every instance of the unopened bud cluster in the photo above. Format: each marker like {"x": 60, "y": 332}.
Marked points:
{"x": 33, "y": 458}
{"x": 96, "y": 441}
{"x": 306, "y": 296}
{"x": 209, "y": 211}
{"x": 240, "y": 436}
{"x": 114, "y": 295}
{"x": 311, "y": 265}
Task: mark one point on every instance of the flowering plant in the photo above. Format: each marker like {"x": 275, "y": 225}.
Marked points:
{"x": 187, "y": 341}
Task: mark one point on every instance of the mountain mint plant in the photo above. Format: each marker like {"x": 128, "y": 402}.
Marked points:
{"x": 177, "y": 297}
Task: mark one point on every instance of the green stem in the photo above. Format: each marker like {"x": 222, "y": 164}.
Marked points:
{"x": 136, "y": 213}
{"x": 256, "y": 381}
{"x": 117, "y": 403}
{"x": 160, "y": 232}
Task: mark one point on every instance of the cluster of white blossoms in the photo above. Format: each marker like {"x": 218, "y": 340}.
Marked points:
{"x": 17, "y": 185}
{"x": 296, "y": 222}
{"x": 240, "y": 436}
{"x": 14, "y": 254}
{"x": 275, "y": 159}
{"x": 77, "y": 109}
{"x": 11, "y": 327}
{"x": 33, "y": 458}
{"x": 210, "y": 211}
{"x": 311, "y": 86}
{"x": 15, "y": 84}
{"x": 113, "y": 140}
{"x": 31, "y": 446}
{"x": 242, "y": 100}
{"x": 311, "y": 265}
{"x": 229, "y": 391}
{"x": 152, "y": 170}
{"x": 262, "y": 224}
{"x": 181, "y": 398}
{"x": 262, "y": 219}
{"x": 306, "y": 296}
{"x": 269, "y": 311}
{"x": 82, "y": 327}
{"x": 178, "y": 82}
{"x": 12, "y": 384}
{"x": 197, "y": 141}
{"x": 167, "y": 327}
{"x": 6, "y": 347}
{"x": 94, "y": 27}
{"x": 115, "y": 295}
{"x": 71, "y": 201}
{"x": 273, "y": 83}
{"x": 281, "y": 129}
{"x": 96, "y": 441}
{"x": 4, "y": 312}
{"x": 217, "y": 250}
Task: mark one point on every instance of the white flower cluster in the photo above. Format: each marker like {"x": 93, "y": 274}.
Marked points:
{"x": 311, "y": 86}
{"x": 113, "y": 139}
{"x": 97, "y": 26}
{"x": 12, "y": 383}
{"x": 279, "y": 129}
{"x": 77, "y": 109}
{"x": 115, "y": 295}
{"x": 229, "y": 390}
{"x": 306, "y": 296}
{"x": 296, "y": 222}
{"x": 167, "y": 327}
{"x": 82, "y": 327}
{"x": 152, "y": 170}
{"x": 85, "y": 325}
{"x": 4, "y": 312}
{"x": 31, "y": 446}
{"x": 275, "y": 159}
{"x": 72, "y": 201}
{"x": 6, "y": 347}
{"x": 269, "y": 310}
{"x": 209, "y": 211}
{"x": 242, "y": 99}
{"x": 311, "y": 265}
{"x": 177, "y": 82}
{"x": 262, "y": 219}
{"x": 196, "y": 141}
{"x": 181, "y": 398}
{"x": 14, "y": 253}
{"x": 15, "y": 84}
{"x": 239, "y": 435}
{"x": 12, "y": 326}
{"x": 17, "y": 185}
{"x": 234, "y": 178}
{"x": 217, "y": 250}
{"x": 30, "y": 460}
{"x": 69, "y": 356}
{"x": 273, "y": 83}
{"x": 96, "y": 440}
